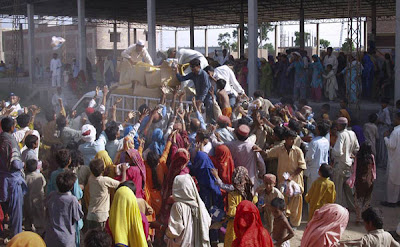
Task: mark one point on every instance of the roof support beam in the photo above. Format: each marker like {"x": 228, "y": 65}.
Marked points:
{"x": 31, "y": 42}
{"x": 151, "y": 22}
{"x": 302, "y": 45}
{"x": 82, "y": 35}
{"x": 192, "y": 31}
{"x": 253, "y": 45}
{"x": 241, "y": 31}
{"x": 397, "y": 62}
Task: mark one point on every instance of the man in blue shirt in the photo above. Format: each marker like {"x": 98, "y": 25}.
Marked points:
{"x": 202, "y": 85}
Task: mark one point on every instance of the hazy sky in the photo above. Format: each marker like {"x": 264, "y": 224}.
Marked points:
{"x": 329, "y": 31}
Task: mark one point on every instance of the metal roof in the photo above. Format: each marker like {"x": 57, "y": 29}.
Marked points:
{"x": 177, "y": 13}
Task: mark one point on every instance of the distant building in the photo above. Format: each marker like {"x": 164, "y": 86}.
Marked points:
{"x": 98, "y": 42}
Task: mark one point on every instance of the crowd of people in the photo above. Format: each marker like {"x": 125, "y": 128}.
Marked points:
{"x": 228, "y": 168}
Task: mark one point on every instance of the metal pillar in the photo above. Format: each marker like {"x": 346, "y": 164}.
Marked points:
{"x": 253, "y": 44}
{"x": 176, "y": 40}
{"x": 21, "y": 46}
{"x": 192, "y": 31}
{"x": 373, "y": 23}
{"x": 276, "y": 41}
{"x": 302, "y": 45}
{"x": 151, "y": 23}
{"x": 238, "y": 42}
{"x": 397, "y": 62}
{"x": 365, "y": 35}
{"x": 206, "y": 42}
{"x": 115, "y": 41}
{"x": 129, "y": 34}
{"x": 82, "y": 35}
{"x": 241, "y": 33}
{"x": 31, "y": 42}
{"x": 317, "y": 38}
{"x": 135, "y": 35}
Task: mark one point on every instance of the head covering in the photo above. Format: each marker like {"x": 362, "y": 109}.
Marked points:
{"x": 223, "y": 161}
{"x": 345, "y": 114}
{"x": 243, "y": 130}
{"x": 158, "y": 143}
{"x": 89, "y": 110}
{"x": 270, "y": 178}
{"x": 178, "y": 166}
{"x": 108, "y": 163}
{"x": 242, "y": 183}
{"x": 296, "y": 53}
{"x": 326, "y": 226}
{"x": 88, "y": 133}
{"x": 342, "y": 120}
{"x": 140, "y": 42}
{"x": 125, "y": 219}
{"x": 25, "y": 239}
{"x": 184, "y": 190}
{"x": 224, "y": 120}
{"x": 137, "y": 160}
{"x": 248, "y": 227}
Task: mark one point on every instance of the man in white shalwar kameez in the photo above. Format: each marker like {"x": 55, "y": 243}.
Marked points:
{"x": 137, "y": 53}
{"x": 345, "y": 147}
{"x": 393, "y": 168}
{"x": 189, "y": 221}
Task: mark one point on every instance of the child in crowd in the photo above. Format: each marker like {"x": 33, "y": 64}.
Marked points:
{"x": 371, "y": 132}
{"x": 63, "y": 212}
{"x": 266, "y": 193}
{"x": 322, "y": 191}
{"x": 31, "y": 142}
{"x": 223, "y": 98}
{"x": 325, "y": 109}
{"x": 363, "y": 177}
{"x": 282, "y": 231}
{"x": 331, "y": 85}
{"x": 34, "y": 198}
{"x": 97, "y": 238}
{"x": 99, "y": 203}
{"x": 373, "y": 223}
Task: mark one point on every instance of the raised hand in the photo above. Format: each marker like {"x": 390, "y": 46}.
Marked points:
{"x": 131, "y": 114}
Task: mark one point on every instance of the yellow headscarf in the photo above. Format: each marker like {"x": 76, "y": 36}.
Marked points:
{"x": 27, "y": 238}
{"x": 125, "y": 219}
{"x": 108, "y": 163}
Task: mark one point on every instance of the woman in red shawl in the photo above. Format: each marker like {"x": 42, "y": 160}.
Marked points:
{"x": 249, "y": 229}
{"x": 178, "y": 167}
{"x": 223, "y": 161}
{"x": 136, "y": 172}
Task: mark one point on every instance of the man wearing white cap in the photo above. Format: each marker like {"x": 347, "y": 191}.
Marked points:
{"x": 345, "y": 147}
{"x": 137, "y": 53}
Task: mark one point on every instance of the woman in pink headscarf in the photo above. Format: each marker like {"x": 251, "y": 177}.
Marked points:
{"x": 136, "y": 172}
{"x": 326, "y": 226}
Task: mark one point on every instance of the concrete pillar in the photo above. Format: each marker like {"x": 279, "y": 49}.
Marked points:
{"x": 317, "y": 39}
{"x": 115, "y": 40}
{"x": 397, "y": 50}
{"x": 31, "y": 42}
{"x": 192, "y": 31}
{"x": 373, "y": 22}
{"x": 252, "y": 48}
{"x": 151, "y": 25}
{"x": 365, "y": 35}
{"x": 241, "y": 33}
{"x": 206, "y": 42}
{"x": 176, "y": 40}
{"x": 129, "y": 34}
{"x": 276, "y": 41}
{"x": 135, "y": 35}
{"x": 82, "y": 35}
{"x": 302, "y": 45}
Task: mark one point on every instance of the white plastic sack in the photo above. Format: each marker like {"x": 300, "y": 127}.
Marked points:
{"x": 57, "y": 42}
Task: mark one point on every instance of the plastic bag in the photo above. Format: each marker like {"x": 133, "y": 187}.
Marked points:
{"x": 289, "y": 188}
{"x": 57, "y": 42}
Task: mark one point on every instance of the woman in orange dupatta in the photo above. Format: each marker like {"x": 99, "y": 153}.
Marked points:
{"x": 249, "y": 229}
